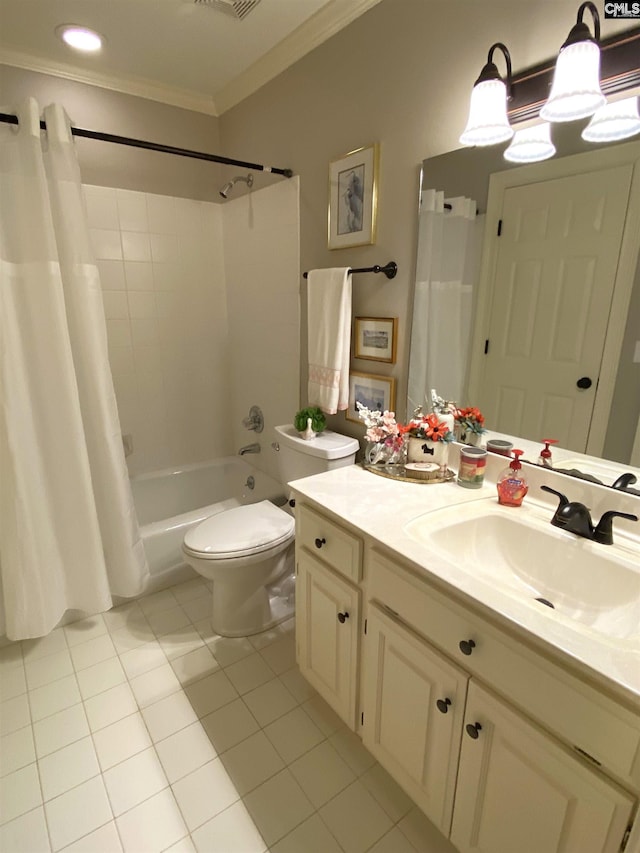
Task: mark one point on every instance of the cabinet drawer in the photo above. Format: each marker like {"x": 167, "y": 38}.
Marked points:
{"x": 327, "y": 540}
{"x": 585, "y": 719}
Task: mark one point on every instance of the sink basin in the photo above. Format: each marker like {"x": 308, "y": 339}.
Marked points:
{"x": 519, "y": 552}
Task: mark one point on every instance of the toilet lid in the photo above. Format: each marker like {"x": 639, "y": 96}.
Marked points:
{"x": 240, "y": 531}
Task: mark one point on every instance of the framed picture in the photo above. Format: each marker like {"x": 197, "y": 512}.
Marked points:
{"x": 377, "y": 393}
{"x": 375, "y": 338}
{"x": 353, "y": 198}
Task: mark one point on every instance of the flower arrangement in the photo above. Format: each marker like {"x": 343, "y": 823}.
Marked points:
{"x": 384, "y": 432}
{"x": 469, "y": 420}
{"x": 428, "y": 427}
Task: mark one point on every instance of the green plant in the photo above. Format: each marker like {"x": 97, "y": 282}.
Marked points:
{"x": 318, "y": 420}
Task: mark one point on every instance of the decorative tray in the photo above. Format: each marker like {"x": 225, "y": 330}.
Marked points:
{"x": 399, "y": 472}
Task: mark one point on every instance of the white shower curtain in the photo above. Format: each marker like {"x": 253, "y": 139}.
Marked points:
{"x": 69, "y": 536}
{"x": 449, "y": 243}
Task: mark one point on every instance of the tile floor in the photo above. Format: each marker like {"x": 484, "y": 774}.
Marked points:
{"x": 139, "y": 730}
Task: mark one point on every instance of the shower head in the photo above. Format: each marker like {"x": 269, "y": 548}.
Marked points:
{"x": 226, "y": 189}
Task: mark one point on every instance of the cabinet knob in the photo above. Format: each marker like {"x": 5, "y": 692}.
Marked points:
{"x": 443, "y": 705}
{"x": 467, "y": 646}
{"x": 292, "y": 502}
{"x": 584, "y": 382}
{"x": 321, "y": 542}
{"x": 342, "y": 617}
{"x": 473, "y": 729}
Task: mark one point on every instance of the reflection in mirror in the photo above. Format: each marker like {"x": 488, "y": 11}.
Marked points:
{"x": 456, "y": 307}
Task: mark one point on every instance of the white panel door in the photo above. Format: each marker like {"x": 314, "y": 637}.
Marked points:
{"x": 413, "y": 704}
{"x": 327, "y": 633}
{"x": 520, "y": 790}
{"x": 556, "y": 263}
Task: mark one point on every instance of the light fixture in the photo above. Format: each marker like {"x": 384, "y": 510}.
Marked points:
{"x": 575, "y": 92}
{"x": 617, "y": 120}
{"x": 80, "y": 38}
{"x": 488, "y": 123}
{"x": 531, "y": 144}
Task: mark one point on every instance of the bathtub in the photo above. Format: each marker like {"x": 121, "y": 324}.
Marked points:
{"x": 170, "y": 501}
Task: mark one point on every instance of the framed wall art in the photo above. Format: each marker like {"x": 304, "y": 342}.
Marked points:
{"x": 353, "y": 198}
{"x": 375, "y": 338}
{"x": 377, "y": 393}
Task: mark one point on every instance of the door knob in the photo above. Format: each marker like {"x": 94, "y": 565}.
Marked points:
{"x": 443, "y": 705}
{"x": 342, "y": 617}
{"x": 584, "y": 382}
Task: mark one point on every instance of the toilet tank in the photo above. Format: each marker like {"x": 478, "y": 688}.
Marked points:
{"x": 301, "y": 458}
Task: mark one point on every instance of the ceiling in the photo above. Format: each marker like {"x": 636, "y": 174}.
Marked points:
{"x": 181, "y": 52}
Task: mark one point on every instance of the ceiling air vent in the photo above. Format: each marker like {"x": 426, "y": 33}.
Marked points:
{"x": 236, "y": 8}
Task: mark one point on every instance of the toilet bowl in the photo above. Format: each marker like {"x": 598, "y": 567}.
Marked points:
{"x": 248, "y": 554}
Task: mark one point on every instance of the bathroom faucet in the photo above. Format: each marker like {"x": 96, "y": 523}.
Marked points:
{"x": 576, "y": 518}
{"x": 249, "y": 448}
{"x": 624, "y": 481}
{"x": 255, "y": 420}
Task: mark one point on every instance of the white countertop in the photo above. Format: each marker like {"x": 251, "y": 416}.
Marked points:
{"x": 380, "y": 508}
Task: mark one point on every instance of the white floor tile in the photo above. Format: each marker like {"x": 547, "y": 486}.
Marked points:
{"x": 77, "y": 813}
{"x": 393, "y": 842}
{"x": 281, "y": 655}
{"x": 14, "y": 714}
{"x": 134, "y": 780}
{"x": 177, "y": 643}
{"x": 229, "y": 725}
{"x": 205, "y": 793}
{"x": 16, "y": 750}
{"x": 60, "y": 729}
{"x": 26, "y": 834}
{"x": 153, "y": 826}
{"x": 198, "y": 608}
{"x": 100, "y": 677}
{"x": 166, "y": 621}
{"x": 349, "y": 747}
{"x": 355, "y": 818}
{"x": 156, "y": 603}
{"x": 185, "y": 845}
{"x": 19, "y": 792}
{"x": 322, "y": 715}
{"x": 322, "y": 774}
{"x": 312, "y": 836}
{"x": 251, "y": 762}
{"x": 126, "y": 615}
{"x": 127, "y": 638}
{"x": 154, "y": 685}
{"x": 143, "y": 659}
{"x": 195, "y": 665}
{"x": 294, "y": 734}
{"x": 70, "y": 766}
{"x": 228, "y": 650}
{"x": 232, "y": 831}
{"x": 85, "y": 629}
{"x": 210, "y": 693}
{"x": 185, "y": 751}
{"x": 269, "y": 701}
{"x": 103, "y": 840}
{"x": 168, "y": 716}
{"x": 278, "y": 806}
{"x": 42, "y": 647}
{"x": 249, "y": 673}
{"x": 387, "y": 792}
{"x": 13, "y": 682}
{"x": 297, "y": 685}
{"x": 110, "y": 706}
{"x": 190, "y": 590}
{"x": 10, "y": 656}
{"x": 423, "y": 835}
{"x": 260, "y": 641}
{"x": 92, "y": 652}
{"x": 54, "y": 697}
{"x": 121, "y": 740}
{"x": 44, "y": 670}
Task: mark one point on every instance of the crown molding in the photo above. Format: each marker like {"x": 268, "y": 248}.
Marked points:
{"x": 313, "y": 32}
{"x": 127, "y": 85}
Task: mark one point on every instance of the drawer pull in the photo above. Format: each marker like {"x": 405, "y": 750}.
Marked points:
{"x": 321, "y": 542}
{"x": 473, "y": 729}
{"x": 342, "y": 617}
{"x": 443, "y": 705}
{"x": 467, "y": 646}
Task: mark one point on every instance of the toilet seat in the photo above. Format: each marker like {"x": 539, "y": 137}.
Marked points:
{"x": 240, "y": 532}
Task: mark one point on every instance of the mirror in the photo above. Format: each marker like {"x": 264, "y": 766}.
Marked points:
{"x": 465, "y": 174}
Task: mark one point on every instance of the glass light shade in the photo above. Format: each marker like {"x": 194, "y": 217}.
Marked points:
{"x": 614, "y": 121}
{"x": 488, "y": 123}
{"x": 575, "y": 92}
{"x": 80, "y": 38}
{"x": 531, "y": 144}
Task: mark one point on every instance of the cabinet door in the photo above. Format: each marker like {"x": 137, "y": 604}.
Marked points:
{"x": 413, "y": 704}
{"x": 327, "y": 619}
{"x": 519, "y": 789}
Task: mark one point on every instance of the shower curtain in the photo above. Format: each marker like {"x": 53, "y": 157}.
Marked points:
{"x": 69, "y": 536}
{"x": 449, "y": 243}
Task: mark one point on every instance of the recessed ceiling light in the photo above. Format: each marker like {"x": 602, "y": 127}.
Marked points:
{"x": 80, "y": 38}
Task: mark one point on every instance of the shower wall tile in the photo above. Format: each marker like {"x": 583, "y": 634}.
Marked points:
{"x": 102, "y": 209}
{"x": 164, "y": 248}
{"x": 162, "y": 214}
{"x": 136, "y": 246}
{"x": 106, "y": 243}
{"x": 138, "y": 275}
{"x": 132, "y": 211}
{"x": 111, "y": 275}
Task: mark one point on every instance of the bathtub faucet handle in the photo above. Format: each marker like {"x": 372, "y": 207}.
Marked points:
{"x": 255, "y": 420}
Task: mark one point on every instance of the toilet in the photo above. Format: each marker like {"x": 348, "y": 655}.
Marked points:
{"x": 248, "y": 551}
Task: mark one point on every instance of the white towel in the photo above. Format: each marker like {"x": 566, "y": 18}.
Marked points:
{"x": 329, "y": 334}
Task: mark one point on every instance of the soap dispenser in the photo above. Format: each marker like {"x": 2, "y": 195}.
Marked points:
{"x": 545, "y": 454}
{"x": 511, "y": 485}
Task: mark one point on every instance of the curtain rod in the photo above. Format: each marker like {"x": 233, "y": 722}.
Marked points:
{"x": 8, "y": 118}
{"x": 389, "y": 270}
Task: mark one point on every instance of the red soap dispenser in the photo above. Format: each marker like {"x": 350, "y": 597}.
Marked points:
{"x": 545, "y": 454}
{"x": 511, "y": 485}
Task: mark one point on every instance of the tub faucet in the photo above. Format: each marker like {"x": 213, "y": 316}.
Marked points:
{"x": 249, "y": 448}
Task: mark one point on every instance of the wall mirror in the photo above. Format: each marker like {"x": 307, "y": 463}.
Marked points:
{"x": 457, "y": 303}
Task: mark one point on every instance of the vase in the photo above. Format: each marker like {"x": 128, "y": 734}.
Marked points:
{"x": 375, "y": 452}
{"x": 425, "y": 450}
{"x": 474, "y": 439}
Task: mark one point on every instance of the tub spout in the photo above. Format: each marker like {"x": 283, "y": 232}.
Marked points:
{"x": 249, "y": 448}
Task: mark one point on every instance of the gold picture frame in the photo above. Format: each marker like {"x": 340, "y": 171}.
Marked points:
{"x": 375, "y": 338}
{"x": 377, "y": 393}
{"x": 353, "y": 198}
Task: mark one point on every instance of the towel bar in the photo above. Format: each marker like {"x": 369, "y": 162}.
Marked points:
{"x": 389, "y": 270}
